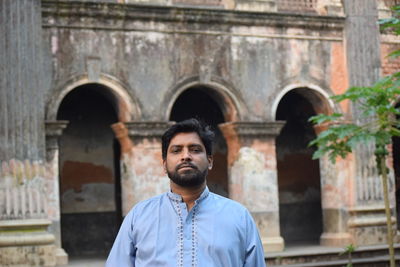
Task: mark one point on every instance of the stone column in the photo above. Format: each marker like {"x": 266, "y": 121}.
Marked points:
{"x": 54, "y": 130}
{"x": 253, "y": 175}
{"x": 142, "y": 173}
{"x": 337, "y": 187}
{"x": 21, "y": 81}
{"x": 367, "y": 216}
{"x": 24, "y": 177}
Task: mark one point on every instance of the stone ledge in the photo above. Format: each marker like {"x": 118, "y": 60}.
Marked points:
{"x": 273, "y": 244}
{"x": 335, "y": 239}
{"x": 61, "y": 257}
{"x": 252, "y": 129}
{"x": 101, "y": 13}
{"x": 55, "y": 128}
{"x": 26, "y": 239}
{"x": 33, "y": 224}
{"x": 149, "y": 129}
{"x": 369, "y": 221}
{"x": 25, "y": 232}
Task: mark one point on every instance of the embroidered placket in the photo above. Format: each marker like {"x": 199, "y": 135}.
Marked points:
{"x": 180, "y": 235}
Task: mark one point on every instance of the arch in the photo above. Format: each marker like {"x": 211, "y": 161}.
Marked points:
{"x": 299, "y": 177}
{"x": 128, "y": 107}
{"x": 89, "y": 170}
{"x": 318, "y": 97}
{"x": 198, "y": 102}
{"x": 228, "y": 99}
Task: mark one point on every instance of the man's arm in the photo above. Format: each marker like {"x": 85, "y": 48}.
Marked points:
{"x": 122, "y": 253}
{"x": 254, "y": 249}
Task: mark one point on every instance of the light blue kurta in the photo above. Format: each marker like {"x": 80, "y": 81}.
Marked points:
{"x": 217, "y": 232}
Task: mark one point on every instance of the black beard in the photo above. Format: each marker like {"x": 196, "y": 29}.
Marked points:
{"x": 192, "y": 178}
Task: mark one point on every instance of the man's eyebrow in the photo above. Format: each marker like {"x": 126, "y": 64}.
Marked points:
{"x": 175, "y": 146}
{"x": 195, "y": 145}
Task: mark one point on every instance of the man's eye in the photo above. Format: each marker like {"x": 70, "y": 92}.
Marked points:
{"x": 175, "y": 151}
{"x": 196, "y": 150}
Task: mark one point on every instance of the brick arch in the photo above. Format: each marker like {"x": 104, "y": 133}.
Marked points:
{"x": 128, "y": 108}
{"x": 318, "y": 98}
{"x": 229, "y": 101}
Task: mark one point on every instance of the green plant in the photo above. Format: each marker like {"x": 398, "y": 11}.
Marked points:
{"x": 349, "y": 250}
{"x": 378, "y": 124}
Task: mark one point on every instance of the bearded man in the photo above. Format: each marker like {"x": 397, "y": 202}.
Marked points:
{"x": 189, "y": 225}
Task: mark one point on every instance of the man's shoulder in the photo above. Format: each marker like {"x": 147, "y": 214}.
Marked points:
{"x": 228, "y": 203}
{"x": 147, "y": 203}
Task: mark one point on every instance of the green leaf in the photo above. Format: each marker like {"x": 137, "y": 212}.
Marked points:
{"x": 395, "y": 54}
{"x": 321, "y": 118}
{"x": 394, "y": 132}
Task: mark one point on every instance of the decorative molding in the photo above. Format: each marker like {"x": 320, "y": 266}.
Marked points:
{"x": 98, "y": 16}
{"x": 148, "y": 129}
{"x": 55, "y": 128}
{"x": 252, "y": 129}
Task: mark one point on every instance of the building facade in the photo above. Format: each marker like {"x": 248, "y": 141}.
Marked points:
{"x": 88, "y": 87}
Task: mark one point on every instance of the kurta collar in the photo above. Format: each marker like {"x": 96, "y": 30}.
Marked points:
{"x": 177, "y": 197}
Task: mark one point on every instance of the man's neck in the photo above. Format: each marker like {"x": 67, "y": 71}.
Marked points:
{"x": 188, "y": 194}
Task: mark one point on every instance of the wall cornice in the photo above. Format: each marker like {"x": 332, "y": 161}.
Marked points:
{"x": 79, "y": 14}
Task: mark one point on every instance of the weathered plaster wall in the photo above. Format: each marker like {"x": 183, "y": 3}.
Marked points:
{"x": 253, "y": 61}
{"x": 157, "y": 52}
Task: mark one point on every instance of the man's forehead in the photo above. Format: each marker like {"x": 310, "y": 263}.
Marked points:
{"x": 185, "y": 139}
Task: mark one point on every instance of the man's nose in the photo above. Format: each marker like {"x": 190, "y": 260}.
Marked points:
{"x": 186, "y": 156}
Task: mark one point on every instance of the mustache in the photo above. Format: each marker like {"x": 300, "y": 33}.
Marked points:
{"x": 186, "y": 164}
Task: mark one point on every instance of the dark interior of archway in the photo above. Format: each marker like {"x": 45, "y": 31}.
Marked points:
{"x": 298, "y": 175}
{"x": 89, "y": 172}
{"x": 396, "y": 166}
{"x": 197, "y": 103}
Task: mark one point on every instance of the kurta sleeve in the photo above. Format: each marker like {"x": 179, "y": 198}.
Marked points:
{"x": 254, "y": 249}
{"x": 123, "y": 252}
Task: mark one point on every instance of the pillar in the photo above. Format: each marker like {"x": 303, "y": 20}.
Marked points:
{"x": 252, "y": 175}
{"x": 54, "y": 130}
{"x": 142, "y": 173}
{"x": 21, "y": 81}
{"x": 24, "y": 176}
{"x": 367, "y": 216}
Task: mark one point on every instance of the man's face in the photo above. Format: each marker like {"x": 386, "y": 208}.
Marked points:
{"x": 187, "y": 163}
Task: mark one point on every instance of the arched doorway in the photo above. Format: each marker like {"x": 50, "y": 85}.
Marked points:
{"x": 298, "y": 175}
{"x": 203, "y": 103}
{"x": 89, "y": 171}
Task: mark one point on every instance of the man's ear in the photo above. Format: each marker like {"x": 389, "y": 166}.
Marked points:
{"x": 164, "y": 165}
{"x": 210, "y": 161}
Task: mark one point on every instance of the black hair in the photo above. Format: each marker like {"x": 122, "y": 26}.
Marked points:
{"x": 188, "y": 126}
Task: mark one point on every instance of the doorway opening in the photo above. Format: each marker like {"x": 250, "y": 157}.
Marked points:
{"x": 299, "y": 185}
{"x": 89, "y": 171}
{"x": 204, "y": 104}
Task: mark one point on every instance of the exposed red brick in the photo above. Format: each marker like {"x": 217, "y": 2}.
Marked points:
{"x": 121, "y": 133}
{"x": 389, "y": 65}
{"x": 339, "y": 76}
{"x": 75, "y": 174}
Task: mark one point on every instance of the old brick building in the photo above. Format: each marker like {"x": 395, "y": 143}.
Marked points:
{"x": 88, "y": 87}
